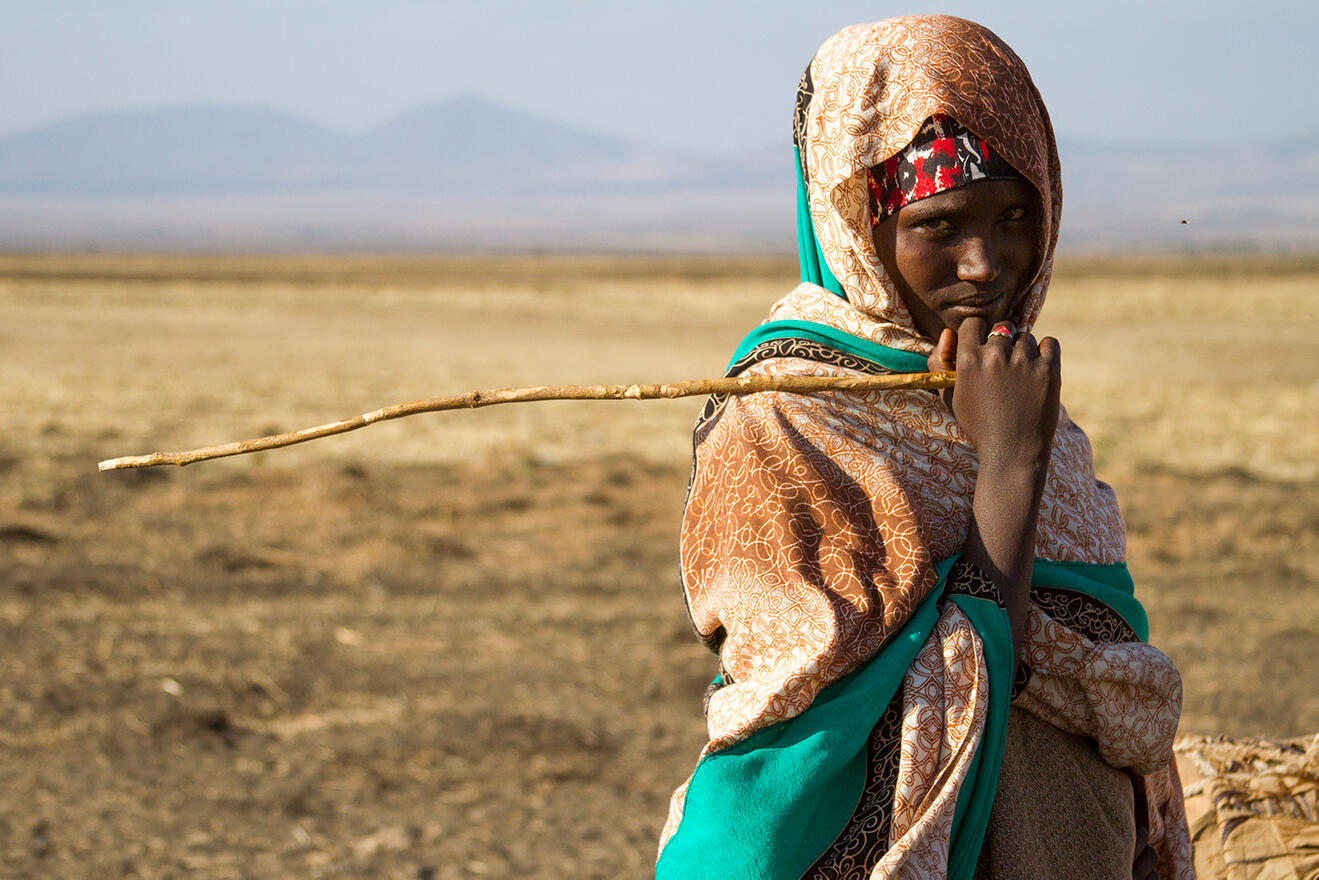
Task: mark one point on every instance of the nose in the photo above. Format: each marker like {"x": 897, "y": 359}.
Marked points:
{"x": 977, "y": 260}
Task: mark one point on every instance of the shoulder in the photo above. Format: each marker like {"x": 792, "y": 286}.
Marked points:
{"x": 765, "y": 414}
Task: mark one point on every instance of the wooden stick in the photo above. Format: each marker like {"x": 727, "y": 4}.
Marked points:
{"x": 477, "y": 399}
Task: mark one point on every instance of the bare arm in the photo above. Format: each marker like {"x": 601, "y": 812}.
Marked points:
{"x": 1006, "y": 402}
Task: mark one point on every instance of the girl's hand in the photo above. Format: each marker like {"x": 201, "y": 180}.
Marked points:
{"x": 1006, "y": 398}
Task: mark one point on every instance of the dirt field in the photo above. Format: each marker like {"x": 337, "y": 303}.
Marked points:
{"x": 453, "y": 646}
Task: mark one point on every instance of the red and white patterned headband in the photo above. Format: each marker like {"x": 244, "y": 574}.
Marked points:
{"x": 944, "y": 155}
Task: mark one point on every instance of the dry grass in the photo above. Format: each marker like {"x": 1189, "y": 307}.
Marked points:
{"x": 453, "y": 646}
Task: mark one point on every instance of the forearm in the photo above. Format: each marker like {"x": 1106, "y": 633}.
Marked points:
{"x": 1001, "y": 540}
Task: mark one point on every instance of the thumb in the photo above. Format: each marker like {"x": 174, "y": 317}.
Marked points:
{"x": 944, "y": 356}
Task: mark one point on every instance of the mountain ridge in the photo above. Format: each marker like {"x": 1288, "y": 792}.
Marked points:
{"x": 469, "y": 171}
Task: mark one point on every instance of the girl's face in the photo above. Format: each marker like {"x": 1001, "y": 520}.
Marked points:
{"x": 966, "y": 252}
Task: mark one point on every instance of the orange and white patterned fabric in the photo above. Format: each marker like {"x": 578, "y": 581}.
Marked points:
{"x": 814, "y": 522}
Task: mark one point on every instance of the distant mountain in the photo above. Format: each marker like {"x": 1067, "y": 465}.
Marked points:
{"x": 192, "y": 149}
{"x": 466, "y": 144}
{"x": 469, "y": 143}
{"x": 467, "y": 173}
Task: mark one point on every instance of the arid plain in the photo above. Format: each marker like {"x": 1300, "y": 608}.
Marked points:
{"x": 453, "y": 645}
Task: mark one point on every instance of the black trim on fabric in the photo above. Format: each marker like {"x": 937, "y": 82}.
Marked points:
{"x": 864, "y": 839}
{"x": 1020, "y": 679}
{"x": 1076, "y": 610}
{"x": 805, "y": 91}
{"x": 969, "y": 579}
{"x": 784, "y": 347}
{"x": 1084, "y": 614}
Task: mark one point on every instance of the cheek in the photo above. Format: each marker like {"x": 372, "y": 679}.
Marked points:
{"x": 924, "y": 268}
{"x": 1023, "y": 249}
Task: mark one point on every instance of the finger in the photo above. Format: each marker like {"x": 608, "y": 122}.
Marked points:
{"x": 972, "y": 330}
{"x": 1051, "y": 354}
{"x": 970, "y": 339}
{"x": 1025, "y": 346}
{"x": 944, "y": 356}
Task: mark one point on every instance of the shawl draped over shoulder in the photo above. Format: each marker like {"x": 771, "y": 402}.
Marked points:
{"x": 858, "y": 722}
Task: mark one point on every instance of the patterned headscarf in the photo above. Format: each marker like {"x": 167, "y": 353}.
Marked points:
{"x": 863, "y": 100}
{"x": 944, "y": 156}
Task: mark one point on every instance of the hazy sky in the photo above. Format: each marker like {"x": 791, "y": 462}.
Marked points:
{"x": 700, "y": 75}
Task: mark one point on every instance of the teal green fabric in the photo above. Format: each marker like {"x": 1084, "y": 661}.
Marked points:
{"x": 766, "y": 807}
{"x": 770, "y": 805}
{"x": 814, "y": 269}
{"x": 892, "y": 359}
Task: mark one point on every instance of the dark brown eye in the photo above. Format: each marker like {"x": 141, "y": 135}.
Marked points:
{"x": 935, "y": 226}
{"x": 1014, "y": 213}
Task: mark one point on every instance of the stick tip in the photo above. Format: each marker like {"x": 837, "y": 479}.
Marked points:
{"x": 127, "y": 461}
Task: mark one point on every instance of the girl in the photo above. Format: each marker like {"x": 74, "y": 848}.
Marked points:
{"x": 931, "y": 659}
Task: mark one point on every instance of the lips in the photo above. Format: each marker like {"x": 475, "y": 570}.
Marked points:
{"x": 979, "y": 301}
{"x": 986, "y": 306}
